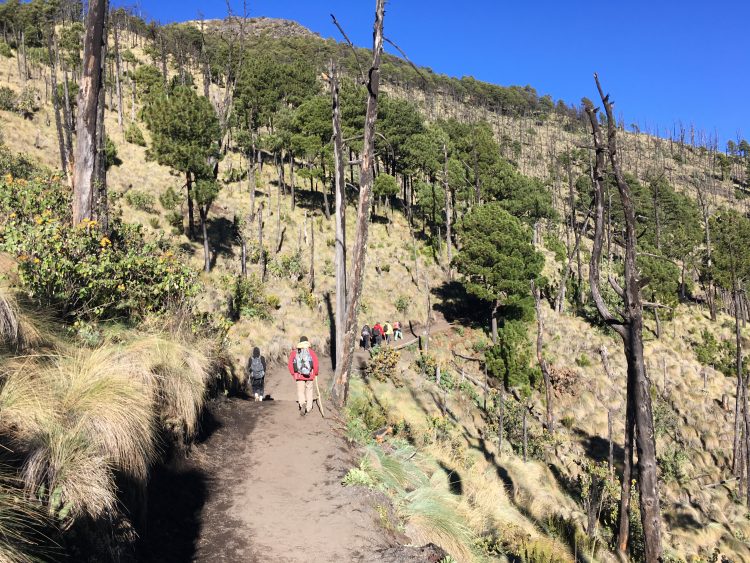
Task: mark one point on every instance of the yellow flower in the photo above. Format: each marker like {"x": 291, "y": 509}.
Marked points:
{"x": 36, "y": 261}
{"x": 120, "y": 287}
{"x": 9, "y": 178}
{"x": 38, "y": 220}
{"x": 105, "y": 242}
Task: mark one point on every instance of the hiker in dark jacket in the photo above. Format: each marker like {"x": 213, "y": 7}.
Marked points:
{"x": 256, "y": 374}
{"x": 377, "y": 334}
{"x": 366, "y": 336}
{"x": 303, "y": 366}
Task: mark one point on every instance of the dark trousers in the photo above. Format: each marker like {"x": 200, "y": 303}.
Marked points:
{"x": 366, "y": 342}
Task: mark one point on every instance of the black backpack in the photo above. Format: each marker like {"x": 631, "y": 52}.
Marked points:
{"x": 256, "y": 369}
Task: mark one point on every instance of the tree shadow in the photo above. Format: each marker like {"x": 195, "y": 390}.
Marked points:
{"x": 597, "y": 448}
{"x": 457, "y": 305}
{"x": 220, "y": 237}
{"x": 455, "y": 483}
{"x": 177, "y": 494}
{"x": 331, "y": 329}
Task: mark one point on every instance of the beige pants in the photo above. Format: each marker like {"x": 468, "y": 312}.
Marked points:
{"x": 305, "y": 393}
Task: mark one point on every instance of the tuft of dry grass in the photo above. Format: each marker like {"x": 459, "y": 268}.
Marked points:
{"x": 179, "y": 372}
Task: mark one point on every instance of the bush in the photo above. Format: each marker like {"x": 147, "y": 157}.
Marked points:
{"x": 7, "y": 99}
{"x": 249, "y": 299}
{"x": 154, "y": 222}
{"x": 79, "y": 271}
{"x": 673, "y": 465}
{"x": 364, "y": 416}
{"x": 170, "y": 199}
{"x": 174, "y": 218}
{"x": 583, "y": 361}
{"x": 5, "y": 50}
{"x": 134, "y": 136}
{"x": 142, "y": 201}
{"x": 110, "y": 153}
{"x": 306, "y": 297}
{"x": 28, "y": 102}
{"x": 510, "y": 359}
{"x": 288, "y": 266}
{"x": 402, "y": 304}
{"x": 383, "y": 363}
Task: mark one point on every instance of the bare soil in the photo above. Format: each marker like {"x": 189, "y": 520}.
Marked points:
{"x": 265, "y": 486}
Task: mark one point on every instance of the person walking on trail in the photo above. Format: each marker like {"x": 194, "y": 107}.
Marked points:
{"x": 366, "y": 337}
{"x": 303, "y": 366}
{"x": 388, "y": 331}
{"x": 256, "y": 373}
{"x": 377, "y": 334}
{"x": 397, "y": 334}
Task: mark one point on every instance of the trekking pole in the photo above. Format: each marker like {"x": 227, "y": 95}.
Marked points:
{"x": 320, "y": 399}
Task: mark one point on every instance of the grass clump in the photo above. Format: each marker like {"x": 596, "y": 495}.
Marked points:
{"x": 134, "y": 135}
{"x": 142, "y": 201}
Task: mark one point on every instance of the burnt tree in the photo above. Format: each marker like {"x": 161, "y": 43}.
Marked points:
{"x": 629, "y": 325}
{"x": 356, "y": 281}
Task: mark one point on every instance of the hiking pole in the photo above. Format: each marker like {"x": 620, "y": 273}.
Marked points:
{"x": 320, "y": 399}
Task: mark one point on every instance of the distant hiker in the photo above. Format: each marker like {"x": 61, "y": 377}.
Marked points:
{"x": 388, "y": 331}
{"x": 377, "y": 334}
{"x": 256, "y": 373}
{"x": 366, "y": 337}
{"x": 303, "y": 366}
{"x": 397, "y": 335}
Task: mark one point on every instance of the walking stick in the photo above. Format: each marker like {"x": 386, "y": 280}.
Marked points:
{"x": 320, "y": 399}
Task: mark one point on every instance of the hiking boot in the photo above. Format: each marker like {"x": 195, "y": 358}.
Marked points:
{"x": 302, "y": 412}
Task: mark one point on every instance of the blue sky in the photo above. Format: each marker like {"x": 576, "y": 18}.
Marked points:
{"x": 663, "y": 60}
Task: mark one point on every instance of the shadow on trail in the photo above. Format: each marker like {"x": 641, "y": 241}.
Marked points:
{"x": 179, "y": 490}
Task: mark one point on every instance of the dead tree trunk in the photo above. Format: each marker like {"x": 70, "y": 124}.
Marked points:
{"x": 262, "y": 258}
{"x": 56, "y": 106}
{"x": 629, "y": 327}
{"x": 100, "y": 209}
{"x": 118, "y": 82}
{"x": 340, "y": 179}
{"x": 540, "y": 357}
{"x": 356, "y": 282}
{"x": 448, "y": 237}
{"x": 88, "y": 102}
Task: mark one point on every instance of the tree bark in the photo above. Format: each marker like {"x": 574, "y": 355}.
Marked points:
{"x": 56, "y": 105}
{"x": 189, "y": 188}
{"x": 86, "y": 122}
{"x": 356, "y": 282}
{"x": 203, "y": 211}
{"x": 630, "y": 328}
{"x": 262, "y": 260}
{"x": 448, "y": 236}
{"x": 340, "y": 256}
{"x": 100, "y": 208}
{"x": 118, "y": 82}
{"x": 540, "y": 357}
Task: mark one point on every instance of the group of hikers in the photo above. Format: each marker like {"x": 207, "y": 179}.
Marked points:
{"x": 303, "y": 367}
{"x": 375, "y": 336}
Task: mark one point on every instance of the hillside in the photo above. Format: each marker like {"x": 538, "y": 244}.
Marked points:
{"x": 447, "y": 446}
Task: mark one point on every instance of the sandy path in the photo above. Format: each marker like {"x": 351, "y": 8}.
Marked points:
{"x": 265, "y": 486}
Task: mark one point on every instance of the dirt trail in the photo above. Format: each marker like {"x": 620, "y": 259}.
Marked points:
{"x": 264, "y": 486}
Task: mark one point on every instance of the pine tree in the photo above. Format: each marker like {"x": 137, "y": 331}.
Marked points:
{"x": 185, "y": 132}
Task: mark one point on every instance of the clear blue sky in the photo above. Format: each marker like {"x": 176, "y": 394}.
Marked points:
{"x": 663, "y": 60}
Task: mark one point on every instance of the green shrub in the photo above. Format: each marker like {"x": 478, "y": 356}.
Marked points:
{"x": 249, "y": 298}
{"x": 77, "y": 270}
{"x": 7, "y": 99}
{"x": 402, "y": 304}
{"x": 557, "y": 247}
{"x": 510, "y": 359}
{"x": 28, "y": 102}
{"x": 142, "y": 201}
{"x": 364, "y": 416}
{"x": 666, "y": 420}
{"x": 288, "y": 266}
{"x": 154, "y": 222}
{"x": 170, "y": 199}
{"x": 110, "y": 153}
{"x": 174, "y": 218}
{"x": 583, "y": 361}
{"x": 134, "y": 135}
{"x": 306, "y": 297}
{"x": 5, "y": 50}
{"x": 673, "y": 462}
{"x": 357, "y": 477}
{"x": 383, "y": 364}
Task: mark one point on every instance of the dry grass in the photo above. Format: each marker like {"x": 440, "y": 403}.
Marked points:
{"x": 179, "y": 372}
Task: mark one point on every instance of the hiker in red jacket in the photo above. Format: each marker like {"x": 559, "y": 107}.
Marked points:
{"x": 378, "y": 334}
{"x": 303, "y": 366}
